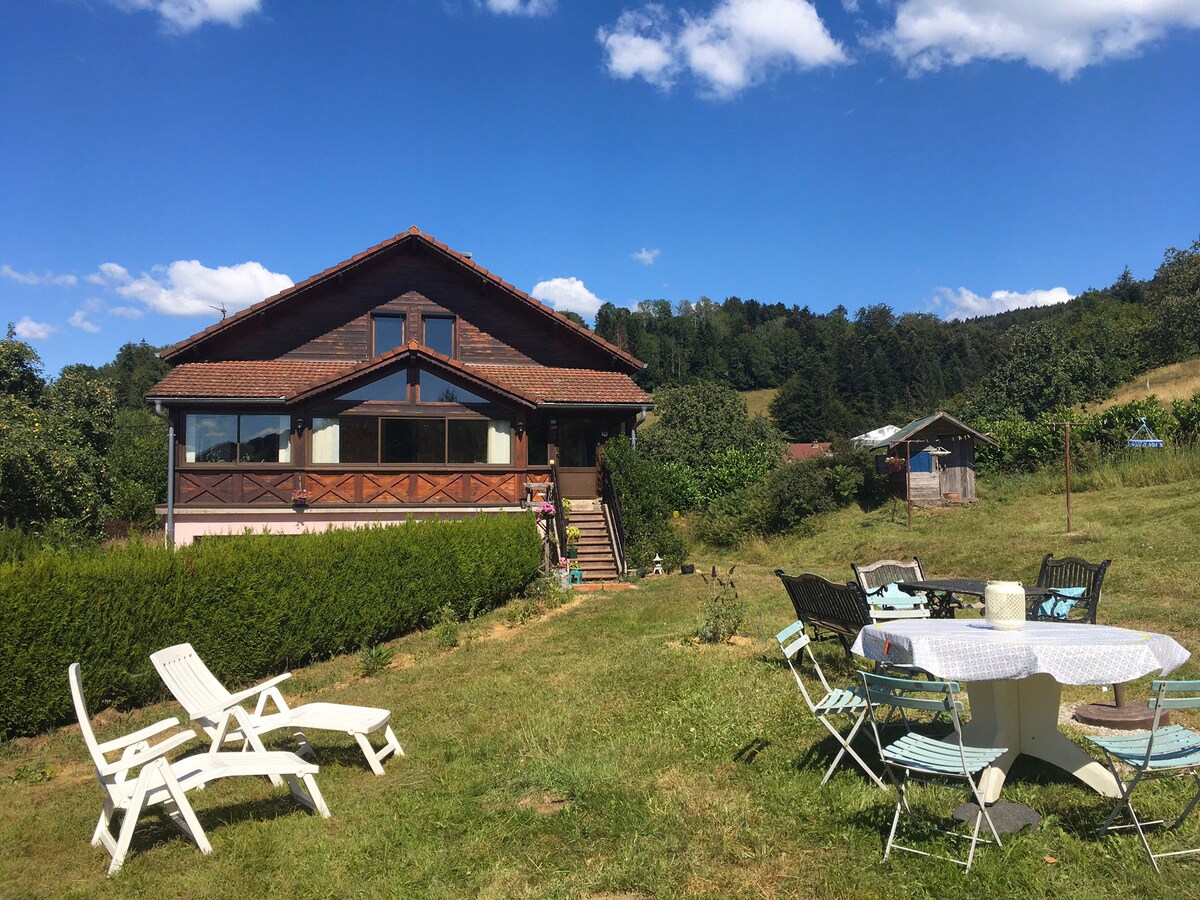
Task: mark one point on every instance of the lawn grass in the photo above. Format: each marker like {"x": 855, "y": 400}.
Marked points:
{"x": 598, "y": 752}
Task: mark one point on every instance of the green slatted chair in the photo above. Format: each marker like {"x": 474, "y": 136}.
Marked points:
{"x": 1170, "y": 752}
{"x": 834, "y": 702}
{"x": 917, "y": 758}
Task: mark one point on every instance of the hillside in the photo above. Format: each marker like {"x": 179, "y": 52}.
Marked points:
{"x": 1167, "y": 383}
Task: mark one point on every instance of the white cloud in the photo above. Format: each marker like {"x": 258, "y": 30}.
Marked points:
{"x": 187, "y": 288}
{"x": 1060, "y": 36}
{"x": 125, "y": 312}
{"x": 965, "y": 304}
{"x": 80, "y": 318}
{"x": 520, "y": 7}
{"x": 567, "y": 294}
{"x": 740, "y": 43}
{"x": 640, "y": 45}
{"x": 32, "y": 278}
{"x": 187, "y": 15}
{"x": 647, "y": 257}
{"x": 29, "y": 330}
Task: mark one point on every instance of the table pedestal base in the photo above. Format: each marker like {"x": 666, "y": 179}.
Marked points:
{"x": 1022, "y": 715}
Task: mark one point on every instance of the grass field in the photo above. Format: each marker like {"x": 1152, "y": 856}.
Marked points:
{"x": 1168, "y": 383}
{"x": 597, "y": 752}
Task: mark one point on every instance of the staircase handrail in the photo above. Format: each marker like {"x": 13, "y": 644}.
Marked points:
{"x": 560, "y": 521}
{"x": 612, "y": 507}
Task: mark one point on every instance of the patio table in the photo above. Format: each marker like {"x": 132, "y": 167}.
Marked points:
{"x": 1014, "y": 680}
{"x": 945, "y": 590}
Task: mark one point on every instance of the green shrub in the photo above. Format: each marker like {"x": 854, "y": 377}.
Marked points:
{"x": 250, "y": 604}
{"x": 646, "y": 489}
{"x": 723, "y": 610}
{"x": 374, "y": 660}
{"x": 445, "y": 632}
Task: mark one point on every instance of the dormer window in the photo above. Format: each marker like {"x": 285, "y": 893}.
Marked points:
{"x": 387, "y": 333}
{"x": 439, "y": 334}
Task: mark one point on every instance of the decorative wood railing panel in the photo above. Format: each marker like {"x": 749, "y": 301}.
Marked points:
{"x": 331, "y": 489}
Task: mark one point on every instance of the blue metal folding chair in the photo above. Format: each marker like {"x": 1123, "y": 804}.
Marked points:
{"x": 918, "y": 758}
{"x": 1170, "y": 752}
{"x": 833, "y": 702}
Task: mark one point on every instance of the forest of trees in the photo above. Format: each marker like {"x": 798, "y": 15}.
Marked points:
{"x": 839, "y": 374}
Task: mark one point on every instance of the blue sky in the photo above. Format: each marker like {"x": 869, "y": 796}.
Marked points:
{"x": 959, "y": 156}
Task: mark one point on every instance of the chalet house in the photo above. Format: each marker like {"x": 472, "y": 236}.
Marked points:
{"x": 407, "y": 381}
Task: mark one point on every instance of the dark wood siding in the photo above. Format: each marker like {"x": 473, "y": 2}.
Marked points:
{"x": 332, "y": 321}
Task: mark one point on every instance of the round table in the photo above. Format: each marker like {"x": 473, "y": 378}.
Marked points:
{"x": 1014, "y": 680}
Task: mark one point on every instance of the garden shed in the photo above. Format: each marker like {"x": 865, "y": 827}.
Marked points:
{"x": 932, "y": 460}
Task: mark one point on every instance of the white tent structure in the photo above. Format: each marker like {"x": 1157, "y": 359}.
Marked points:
{"x": 874, "y": 438}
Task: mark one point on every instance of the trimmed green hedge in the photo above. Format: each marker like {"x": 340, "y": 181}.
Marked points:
{"x": 250, "y": 605}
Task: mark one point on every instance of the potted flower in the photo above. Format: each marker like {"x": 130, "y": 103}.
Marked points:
{"x": 562, "y": 572}
{"x": 572, "y": 542}
{"x": 566, "y": 509}
{"x": 576, "y": 573}
{"x": 299, "y": 497}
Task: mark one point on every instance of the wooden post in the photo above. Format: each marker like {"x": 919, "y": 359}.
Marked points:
{"x": 908, "y": 480}
{"x": 1067, "y": 427}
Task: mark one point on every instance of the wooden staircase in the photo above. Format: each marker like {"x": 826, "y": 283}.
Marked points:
{"x": 596, "y": 560}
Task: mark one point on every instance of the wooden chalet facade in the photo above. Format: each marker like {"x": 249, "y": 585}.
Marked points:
{"x": 405, "y": 381}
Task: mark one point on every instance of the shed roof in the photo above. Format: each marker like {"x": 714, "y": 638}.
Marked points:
{"x": 939, "y": 423}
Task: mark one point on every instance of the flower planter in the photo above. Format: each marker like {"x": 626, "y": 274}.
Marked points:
{"x": 687, "y": 569}
{"x": 572, "y": 553}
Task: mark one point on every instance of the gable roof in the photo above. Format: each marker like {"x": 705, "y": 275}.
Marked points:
{"x": 394, "y": 359}
{"x": 948, "y": 421}
{"x": 413, "y": 234}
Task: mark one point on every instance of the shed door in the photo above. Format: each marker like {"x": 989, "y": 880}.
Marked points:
{"x": 921, "y": 462}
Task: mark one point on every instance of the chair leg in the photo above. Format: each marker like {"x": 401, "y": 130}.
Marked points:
{"x": 369, "y": 752}
{"x": 132, "y": 812}
{"x": 304, "y": 789}
{"x": 846, "y": 748}
{"x": 104, "y": 825}
{"x": 392, "y": 742}
{"x": 190, "y": 825}
{"x": 306, "y": 749}
{"x": 901, "y": 802}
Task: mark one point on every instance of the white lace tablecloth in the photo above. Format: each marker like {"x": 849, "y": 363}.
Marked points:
{"x": 967, "y": 650}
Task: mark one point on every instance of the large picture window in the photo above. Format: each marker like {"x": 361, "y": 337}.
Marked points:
{"x": 411, "y": 441}
{"x": 230, "y": 438}
{"x": 438, "y": 390}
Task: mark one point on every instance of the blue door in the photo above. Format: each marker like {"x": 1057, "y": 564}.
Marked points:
{"x": 921, "y": 462}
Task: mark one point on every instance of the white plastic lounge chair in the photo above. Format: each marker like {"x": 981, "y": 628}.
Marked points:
{"x": 833, "y": 701}
{"x": 160, "y": 783}
{"x": 206, "y": 699}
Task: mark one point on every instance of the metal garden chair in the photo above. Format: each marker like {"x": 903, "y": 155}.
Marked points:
{"x": 916, "y": 757}
{"x": 878, "y": 581}
{"x": 1075, "y": 584}
{"x": 833, "y": 702}
{"x": 1170, "y": 752}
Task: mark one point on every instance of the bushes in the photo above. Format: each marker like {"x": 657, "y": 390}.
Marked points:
{"x": 789, "y": 496}
{"x": 250, "y": 605}
{"x": 647, "y": 490}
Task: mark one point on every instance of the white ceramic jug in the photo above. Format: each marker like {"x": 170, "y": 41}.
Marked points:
{"x": 1004, "y": 605}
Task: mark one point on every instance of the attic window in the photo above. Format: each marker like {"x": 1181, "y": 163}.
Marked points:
{"x": 387, "y": 333}
{"x": 439, "y": 334}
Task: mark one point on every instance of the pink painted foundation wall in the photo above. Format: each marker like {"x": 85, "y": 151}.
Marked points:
{"x": 189, "y": 526}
